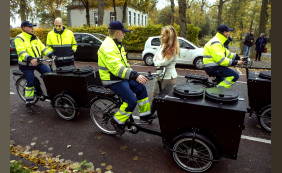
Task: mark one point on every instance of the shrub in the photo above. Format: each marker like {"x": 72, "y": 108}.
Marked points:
{"x": 134, "y": 41}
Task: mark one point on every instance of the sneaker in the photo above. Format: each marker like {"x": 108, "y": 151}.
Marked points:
{"x": 118, "y": 127}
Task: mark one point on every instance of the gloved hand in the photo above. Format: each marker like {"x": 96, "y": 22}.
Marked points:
{"x": 237, "y": 57}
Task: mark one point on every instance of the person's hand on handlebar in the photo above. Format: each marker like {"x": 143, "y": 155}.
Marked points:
{"x": 141, "y": 79}
{"x": 240, "y": 62}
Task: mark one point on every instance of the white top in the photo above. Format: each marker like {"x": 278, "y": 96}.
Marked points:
{"x": 159, "y": 60}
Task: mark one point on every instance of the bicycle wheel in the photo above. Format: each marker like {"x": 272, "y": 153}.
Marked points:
{"x": 265, "y": 118}
{"x": 193, "y": 155}
{"x": 101, "y": 112}
{"x": 20, "y": 87}
{"x": 65, "y": 106}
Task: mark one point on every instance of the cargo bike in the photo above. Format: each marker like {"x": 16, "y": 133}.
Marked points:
{"x": 258, "y": 88}
{"x": 65, "y": 87}
{"x": 197, "y": 129}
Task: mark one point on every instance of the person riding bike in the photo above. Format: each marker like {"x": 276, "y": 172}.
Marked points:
{"x": 115, "y": 73}
{"x": 29, "y": 49}
{"x": 217, "y": 58}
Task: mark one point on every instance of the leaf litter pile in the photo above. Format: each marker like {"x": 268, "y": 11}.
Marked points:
{"x": 54, "y": 164}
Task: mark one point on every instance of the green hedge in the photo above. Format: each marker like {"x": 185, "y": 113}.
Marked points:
{"x": 134, "y": 41}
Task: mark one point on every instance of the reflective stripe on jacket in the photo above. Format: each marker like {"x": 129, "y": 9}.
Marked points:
{"x": 63, "y": 44}
{"x": 112, "y": 62}
{"x": 29, "y": 45}
{"x": 215, "y": 54}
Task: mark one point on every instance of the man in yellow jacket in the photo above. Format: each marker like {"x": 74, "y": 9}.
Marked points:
{"x": 217, "y": 58}
{"x": 62, "y": 42}
{"x": 115, "y": 73}
{"x": 29, "y": 49}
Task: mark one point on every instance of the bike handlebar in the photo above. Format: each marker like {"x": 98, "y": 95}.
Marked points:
{"x": 151, "y": 76}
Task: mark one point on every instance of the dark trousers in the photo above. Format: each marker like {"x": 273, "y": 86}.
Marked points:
{"x": 29, "y": 72}
{"x": 221, "y": 73}
{"x": 130, "y": 91}
{"x": 258, "y": 55}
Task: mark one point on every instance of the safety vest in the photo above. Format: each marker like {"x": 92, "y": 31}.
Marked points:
{"x": 215, "y": 54}
{"x": 29, "y": 45}
{"x": 62, "y": 43}
{"x": 112, "y": 62}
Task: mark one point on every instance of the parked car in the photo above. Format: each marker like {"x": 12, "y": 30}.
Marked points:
{"x": 13, "y": 52}
{"x": 88, "y": 45}
{"x": 189, "y": 53}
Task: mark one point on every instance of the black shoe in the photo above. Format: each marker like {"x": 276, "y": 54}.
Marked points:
{"x": 118, "y": 127}
{"x": 28, "y": 104}
{"x": 148, "y": 118}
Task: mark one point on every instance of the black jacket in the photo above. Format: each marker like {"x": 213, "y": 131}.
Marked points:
{"x": 249, "y": 40}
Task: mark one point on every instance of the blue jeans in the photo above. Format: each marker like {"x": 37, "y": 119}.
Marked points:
{"x": 127, "y": 89}
{"x": 246, "y": 50}
{"x": 29, "y": 72}
{"x": 220, "y": 72}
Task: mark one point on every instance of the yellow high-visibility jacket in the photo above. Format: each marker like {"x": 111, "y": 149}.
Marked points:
{"x": 215, "y": 54}
{"x": 29, "y": 45}
{"x": 112, "y": 62}
{"x": 62, "y": 43}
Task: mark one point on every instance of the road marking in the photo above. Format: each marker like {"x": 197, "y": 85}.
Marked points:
{"x": 12, "y": 92}
{"x": 256, "y": 139}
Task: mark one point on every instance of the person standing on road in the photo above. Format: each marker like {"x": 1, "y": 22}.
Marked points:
{"x": 217, "y": 58}
{"x": 61, "y": 40}
{"x": 260, "y": 46}
{"x": 248, "y": 43}
{"x": 115, "y": 73}
{"x": 166, "y": 57}
{"x": 29, "y": 49}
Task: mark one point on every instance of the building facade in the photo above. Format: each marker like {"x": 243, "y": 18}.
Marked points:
{"x": 77, "y": 16}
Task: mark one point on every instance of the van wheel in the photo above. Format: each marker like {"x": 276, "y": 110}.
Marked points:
{"x": 198, "y": 62}
{"x": 148, "y": 59}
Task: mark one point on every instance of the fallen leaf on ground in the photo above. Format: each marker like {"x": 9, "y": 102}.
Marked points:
{"x": 80, "y": 153}
{"x": 135, "y": 158}
{"x": 109, "y": 167}
{"x": 68, "y": 146}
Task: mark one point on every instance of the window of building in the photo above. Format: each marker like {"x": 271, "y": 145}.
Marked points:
{"x": 145, "y": 22}
{"x": 112, "y": 16}
{"x": 134, "y": 18}
{"x": 142, "y": 20}
{"x": 95, "y": 18}
{"x": 138, "y": 19}
{"x": 129, "y": 16}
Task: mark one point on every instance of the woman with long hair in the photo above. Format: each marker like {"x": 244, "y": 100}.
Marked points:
{"x": 166, "y": 57}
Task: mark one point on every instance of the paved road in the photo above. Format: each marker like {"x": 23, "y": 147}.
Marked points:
{"x": 141, "y": 153}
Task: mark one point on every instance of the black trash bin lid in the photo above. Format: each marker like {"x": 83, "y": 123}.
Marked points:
{"x": 223, "y": 95}
{"x": 83, "y": 70}
{"x": 188, "y": 90}
{"x": 66, "y": 69}
{"x": 265, "y": 75}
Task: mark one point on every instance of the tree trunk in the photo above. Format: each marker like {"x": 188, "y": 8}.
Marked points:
{"x": 219, "y": 14}
{"x": 182, "y": 17}
{"x": 101, "y": 6}
{"x": 87, "y": 16}
{"x": 115, "y": 11}
{"x": 86, "y": 6}
{"x": 124, "y": 12}
{"x": 263, "y": 16}
{"x": 172, "y": 5}
{"x": 23, "y": 7}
